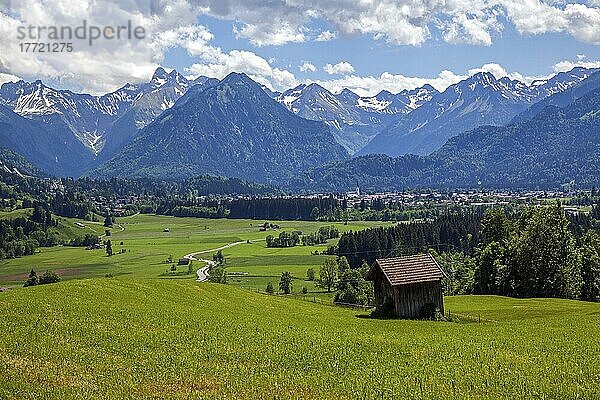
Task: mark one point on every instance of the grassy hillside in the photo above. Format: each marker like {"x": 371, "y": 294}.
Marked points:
{"x": 123, "y": 338}
{"x": 67, "y": 228}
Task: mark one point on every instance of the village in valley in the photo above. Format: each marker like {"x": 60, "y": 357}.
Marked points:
{"x": 573, "y": 201}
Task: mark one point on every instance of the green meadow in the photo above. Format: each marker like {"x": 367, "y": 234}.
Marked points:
{"x": 145, "y": 334}
{"x": 125, "y": 338}
{"x": 147, "y": 248}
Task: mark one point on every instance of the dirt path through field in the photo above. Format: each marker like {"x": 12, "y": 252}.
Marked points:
{"x": 203, "y": 272}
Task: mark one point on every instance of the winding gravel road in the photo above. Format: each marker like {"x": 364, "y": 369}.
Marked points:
{"x": 203, "y": 272}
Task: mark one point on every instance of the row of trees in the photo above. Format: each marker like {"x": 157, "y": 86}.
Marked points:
{"x": 539, "y": 252}
{"x": 291, "y": 239}
{"x": 199, "y": 212}
{"x": 282, "y": 208}
{"x": 536, "y": 255}
{"x": 321, "y": 236}
{"x": 449, "y": 232}
{"x": 285, "y": 239}
{"x": 279, "y": 208}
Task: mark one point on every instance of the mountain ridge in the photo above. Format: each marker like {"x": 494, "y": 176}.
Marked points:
{"x": 557, "y": 146}
{"x": 478, "y": 100}
{"x": 233, "y": 128}
{"x": 91, "y": 118}
{"x": 60, "y": 119}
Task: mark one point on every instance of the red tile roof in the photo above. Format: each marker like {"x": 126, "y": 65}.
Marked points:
{"x": 407, "y": 270}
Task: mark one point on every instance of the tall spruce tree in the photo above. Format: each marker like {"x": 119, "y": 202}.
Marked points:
{"x": 590, "y": 266}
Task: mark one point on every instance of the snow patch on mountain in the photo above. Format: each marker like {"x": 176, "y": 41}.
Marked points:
{"x": 89, "y": 117}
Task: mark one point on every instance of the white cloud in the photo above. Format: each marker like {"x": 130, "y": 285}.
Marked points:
{"x": 371, "y": 85}
{"x": 108, "y": 64}
{"x": 342, "y": 67}
{"x": 219, "y": 65}
{"x": 326, "y": 36}
{"x": 262, "y": 22}
{"x": 307, "y": 67}
{"x": 535, "y": 17}
{"x": 8, "y": 78}
{"x": 471, "y": 30}
{"x": 566, "y": 65}
{"x": 408, "y": 22}
{"x": 499, "y": 72}
{"x": 399, "y": 22}
{"x": 268, "y": 34}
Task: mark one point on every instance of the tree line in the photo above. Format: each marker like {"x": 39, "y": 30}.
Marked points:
{"x": 23, "y": 235}
{"x": 538, "y": 252}
{"x": 294, "y": 238}
{"x": 457, "y": 231}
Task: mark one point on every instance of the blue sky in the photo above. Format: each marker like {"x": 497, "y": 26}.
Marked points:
{"x": 369, "y": 45}
{"x": 531, "y": 55}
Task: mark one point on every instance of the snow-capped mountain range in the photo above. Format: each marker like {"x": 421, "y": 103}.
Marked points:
{"x": 89, "y": 117}
{"x": 478, "y": 100}
{"x": 233, "y": 128}
{"x": 388, "y": 123}
{"x": 95, "y": 128}
{"x": 354, "y": 120}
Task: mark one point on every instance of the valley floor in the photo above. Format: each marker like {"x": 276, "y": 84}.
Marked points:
{"x": 147, "y": 248}
{"x": 147, "y": 333}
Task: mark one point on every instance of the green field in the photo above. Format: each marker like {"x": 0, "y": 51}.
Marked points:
{"x": 147, "y": 247}
{"x": 130, "y": 338}
{"x": 147, "y": 334}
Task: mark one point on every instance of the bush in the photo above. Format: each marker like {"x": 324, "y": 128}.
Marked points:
{"x": 33, "y": 280}
{"x": 270, "y": 289}
{"x": 49, "y": 277}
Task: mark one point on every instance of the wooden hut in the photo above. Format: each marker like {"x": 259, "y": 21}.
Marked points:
{"x": 407, "y": 286}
